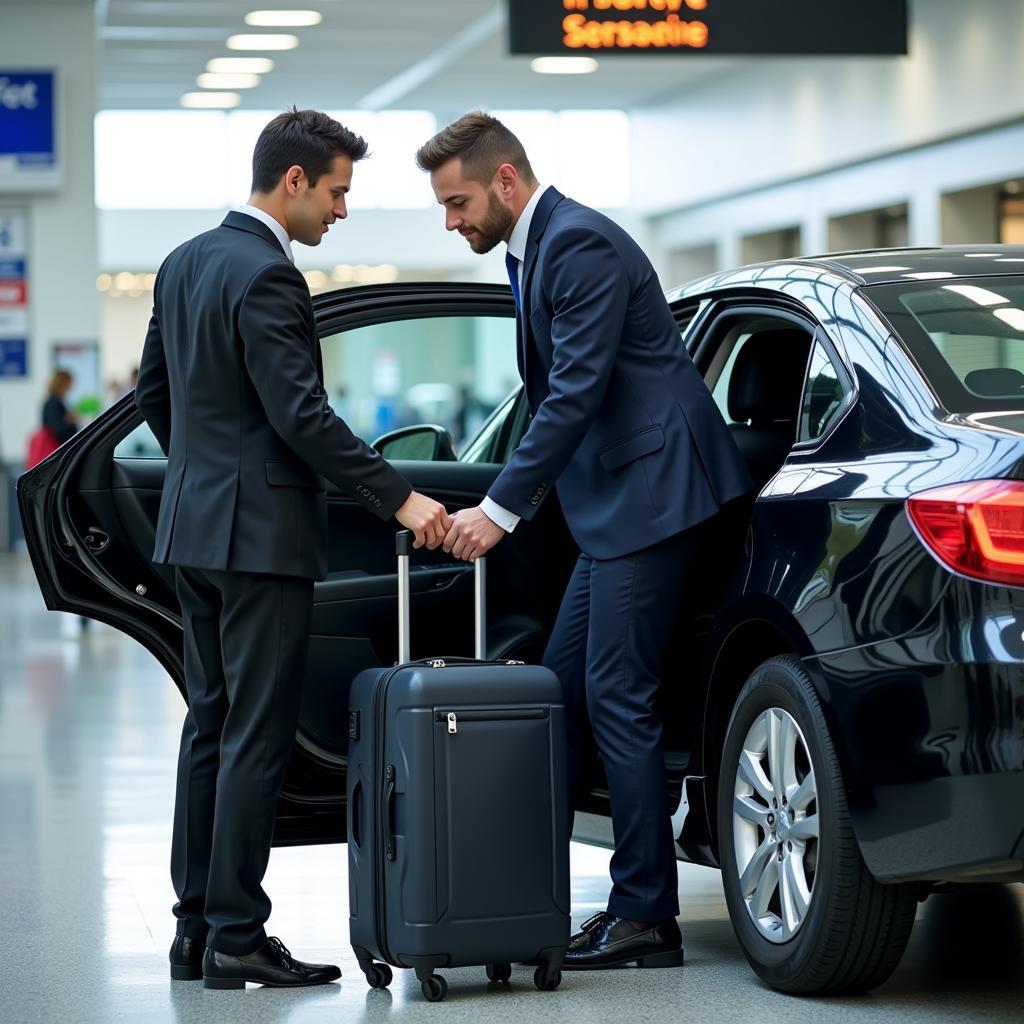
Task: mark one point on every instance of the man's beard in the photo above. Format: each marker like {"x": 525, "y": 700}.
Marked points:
{"x": 494, "y": 228}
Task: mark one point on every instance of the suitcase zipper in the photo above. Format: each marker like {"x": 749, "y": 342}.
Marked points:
{"x": 488, "y": 715}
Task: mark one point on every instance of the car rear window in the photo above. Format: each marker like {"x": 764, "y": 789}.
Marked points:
{"x": 966, "y": 334}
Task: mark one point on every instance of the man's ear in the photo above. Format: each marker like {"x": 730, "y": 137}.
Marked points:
{"x": 294, "y": 180}
{"x": 508, "y": 178}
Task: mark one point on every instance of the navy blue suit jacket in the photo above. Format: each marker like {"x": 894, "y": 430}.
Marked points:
{"x": 622, "y": 420}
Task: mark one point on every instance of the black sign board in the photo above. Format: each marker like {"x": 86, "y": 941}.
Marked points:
{"x": 639, "y": 27}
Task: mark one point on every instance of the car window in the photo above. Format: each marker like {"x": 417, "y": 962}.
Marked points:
{"x": 720, "y": 391}
{"x": 139, "y": 444}
{"x": 451, "y": 370}
{"x": 966, "y": 334}
{"x": 823, "y": 395}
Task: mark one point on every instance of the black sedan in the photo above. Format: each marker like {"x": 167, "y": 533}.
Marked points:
{"x": 844, "y": 715}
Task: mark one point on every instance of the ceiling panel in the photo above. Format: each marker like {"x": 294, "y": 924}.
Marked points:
{"x": 152, "y": 51}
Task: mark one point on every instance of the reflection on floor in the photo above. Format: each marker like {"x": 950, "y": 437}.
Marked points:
{"x": 88, "y": 734}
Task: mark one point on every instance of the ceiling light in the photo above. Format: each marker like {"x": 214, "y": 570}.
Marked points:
{"x": 213, "y": 100}
{"x": 235, "y": 81}
{"x": 240, "y": 65}
{"x": 267, "y": 42}
{"x": 291, "y": 19}
{"x": 563, "y": 65}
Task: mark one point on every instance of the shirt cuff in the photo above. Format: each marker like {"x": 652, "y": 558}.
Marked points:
{"x": 508, "y": 521}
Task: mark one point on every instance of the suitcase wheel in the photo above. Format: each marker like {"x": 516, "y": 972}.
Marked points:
{"x": 547, "y": 979}
{"x": 499, "y": 972}
{"x": 434, "y": 988}
{"x": 378, "y": 975}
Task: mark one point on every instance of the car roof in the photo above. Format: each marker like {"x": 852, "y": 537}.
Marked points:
{"x": 873, "y": 266}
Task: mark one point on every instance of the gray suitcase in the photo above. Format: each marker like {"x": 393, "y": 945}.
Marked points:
{"x": 457, "y": 813}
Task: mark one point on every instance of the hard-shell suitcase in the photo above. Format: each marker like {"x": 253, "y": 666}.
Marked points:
{"x": 457, "y": 813}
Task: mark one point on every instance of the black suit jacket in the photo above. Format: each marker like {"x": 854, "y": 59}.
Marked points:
{"x": 230, "y": 384}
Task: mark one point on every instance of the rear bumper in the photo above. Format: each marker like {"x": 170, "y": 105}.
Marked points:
{"x": 930, "y": 734}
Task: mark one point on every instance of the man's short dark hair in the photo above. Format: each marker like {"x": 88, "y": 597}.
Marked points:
{"x": 308, "y": 138}
{"x": 483, "y": 144}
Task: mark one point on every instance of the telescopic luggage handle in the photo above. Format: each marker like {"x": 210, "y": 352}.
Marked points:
{"x": 403, "y": 548}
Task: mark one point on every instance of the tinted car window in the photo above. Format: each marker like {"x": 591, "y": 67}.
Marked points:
{"x": 966, "y": 334}
{"x": 823, "y": 395}
{"x": 451, "y": 370}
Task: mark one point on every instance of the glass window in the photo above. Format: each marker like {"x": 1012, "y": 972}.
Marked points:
{"x": 139, "y": 444}
{"x": 720, "y": 392}
{"x": 967, "y": 336}
{"x": 823, "y": 395}
{"x": 453, "y": 371}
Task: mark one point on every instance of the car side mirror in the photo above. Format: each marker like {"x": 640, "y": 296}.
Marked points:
{"x": 424, "y": 442}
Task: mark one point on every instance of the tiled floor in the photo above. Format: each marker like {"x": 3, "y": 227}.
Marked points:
{"x": 88, "y": 734}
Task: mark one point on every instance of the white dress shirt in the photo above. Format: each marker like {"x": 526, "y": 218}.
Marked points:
{"x": 279, "y": 232}
{"x": 508, "y": 521}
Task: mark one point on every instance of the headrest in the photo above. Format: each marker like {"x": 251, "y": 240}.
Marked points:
{"x": 768, "y": 376}
{"x": 997, "y": 382}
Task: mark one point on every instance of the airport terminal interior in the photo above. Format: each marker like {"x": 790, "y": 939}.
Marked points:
{"x": 738, "y": 142}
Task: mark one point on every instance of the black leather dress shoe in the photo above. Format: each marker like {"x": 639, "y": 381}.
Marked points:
{"x": 271, "y": 964}
{"x": 609, "y": 941}
{"x": 186, "y": 958}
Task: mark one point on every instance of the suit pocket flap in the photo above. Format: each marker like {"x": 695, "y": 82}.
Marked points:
{"x": 643, "y": 442}
{"x": 289, "y": 474}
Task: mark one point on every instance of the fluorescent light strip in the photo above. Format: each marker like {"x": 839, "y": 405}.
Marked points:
{"x": 564, "y": 65}
{"x": 210, "y": 100}
{"x": 284, "y": 19}
{"x": 228, "y": 81}
{"x": 267, "y": 42}
{"x": 240, "y": 65}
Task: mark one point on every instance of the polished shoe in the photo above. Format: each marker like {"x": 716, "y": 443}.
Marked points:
{"x": 271, "y": 964}
{"x": 186, "y": 958}
{"x": 609, "y": 941}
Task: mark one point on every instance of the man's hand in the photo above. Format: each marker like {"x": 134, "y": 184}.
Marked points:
{"x": 472, "y": 534}
{"x": 427, "y": 519}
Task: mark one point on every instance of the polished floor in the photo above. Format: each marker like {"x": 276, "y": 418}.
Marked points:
{"x": 88, "y": 734}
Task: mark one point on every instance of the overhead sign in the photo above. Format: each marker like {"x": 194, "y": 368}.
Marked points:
{"x": 13, "y": 293}
{"x": 29, "y": 159}
{"x": 766, "y": 27}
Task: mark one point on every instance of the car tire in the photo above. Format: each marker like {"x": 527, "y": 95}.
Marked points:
{"x": 828, "y": 926}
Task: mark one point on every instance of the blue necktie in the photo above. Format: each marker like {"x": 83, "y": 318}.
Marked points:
{"x": 512, "y": 266}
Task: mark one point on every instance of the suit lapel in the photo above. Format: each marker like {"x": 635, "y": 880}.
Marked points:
{"x": 541, "y": 215}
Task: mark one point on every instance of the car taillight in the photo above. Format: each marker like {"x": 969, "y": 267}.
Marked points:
{"x": 975, "y": 528}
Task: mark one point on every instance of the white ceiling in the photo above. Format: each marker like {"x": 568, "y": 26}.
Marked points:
{"x": 441, "y": 55}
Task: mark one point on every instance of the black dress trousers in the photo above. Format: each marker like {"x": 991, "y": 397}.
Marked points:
{"x": 609, "y": 647}
{"x": 246, "y": 641}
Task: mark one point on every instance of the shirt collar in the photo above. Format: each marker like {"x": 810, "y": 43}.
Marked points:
{"x": 521, "y": 232}
{"x": 264, "y": 218}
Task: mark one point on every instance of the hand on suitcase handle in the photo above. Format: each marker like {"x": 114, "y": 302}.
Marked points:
{"x": 427, "y": 519}
{"x": 472, "y": 534}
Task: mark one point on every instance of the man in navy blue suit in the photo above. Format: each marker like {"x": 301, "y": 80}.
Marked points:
{"x": 626, "y": 431}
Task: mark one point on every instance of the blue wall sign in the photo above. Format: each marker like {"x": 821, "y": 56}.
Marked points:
{"x": 29, "y": 156}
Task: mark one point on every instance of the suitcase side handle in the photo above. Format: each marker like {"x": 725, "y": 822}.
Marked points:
{"x": 403, "y": 549}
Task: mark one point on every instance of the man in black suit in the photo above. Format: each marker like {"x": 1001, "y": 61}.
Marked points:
{"x": 624, "y": 428}
{"x": 231, "y": 383}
